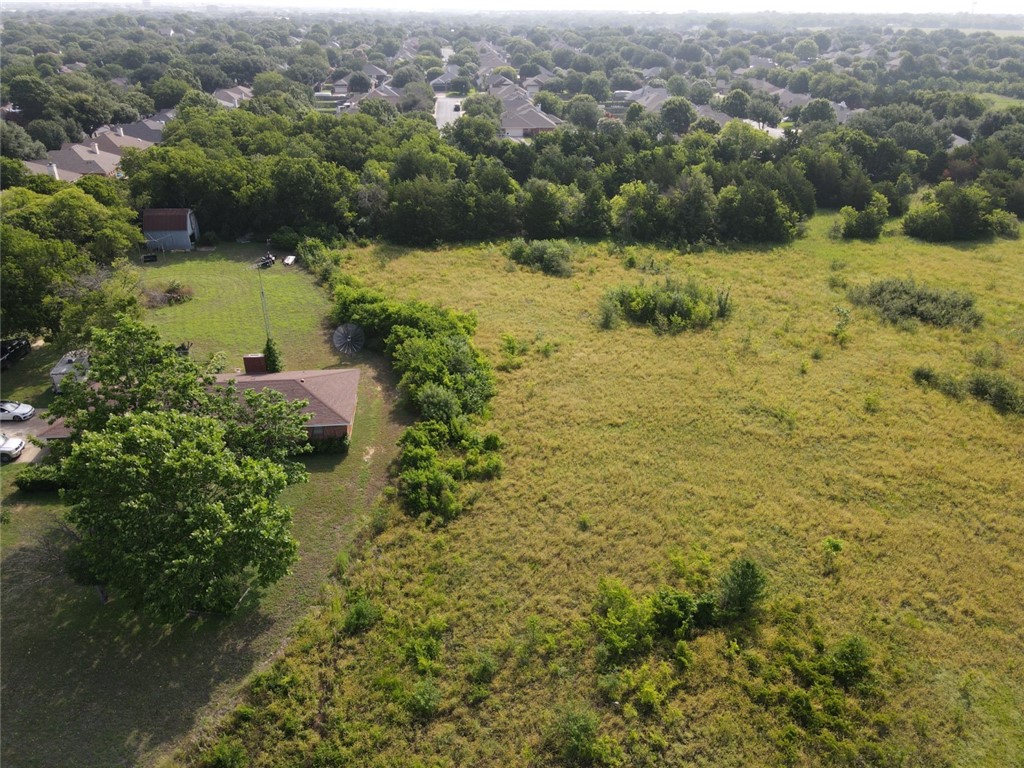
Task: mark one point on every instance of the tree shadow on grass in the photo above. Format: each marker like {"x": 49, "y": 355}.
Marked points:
{"x": 91, "y": 684}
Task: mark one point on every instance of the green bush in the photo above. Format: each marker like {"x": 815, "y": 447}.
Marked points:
{"x": 552, "y": 257}
{"x": 849, "y": 663}
{"x": 898, "y": 300}
{"x": 227, "y": 753}
{"x": 330, "y": 446}
{"x": 865, "y": 224}
{"x": 37, "y": 478}
{"x": 285, "y": 239}
{"x": 741, "y": 589}
{"x": 1003, "y": 394}
{"x": 671, "y": 611}
{"x": 362, "y": 614}
{"x": 425, "y": 699}
{"x": 317, "y": 258}
{"x": 272, "y": 356}
{"x": 624, "y": 625}
{"x": 573, "y": 736}
{"x": 670, "y": 307}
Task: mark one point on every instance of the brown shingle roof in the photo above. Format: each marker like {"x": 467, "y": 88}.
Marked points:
{"x": 331, "y": 394}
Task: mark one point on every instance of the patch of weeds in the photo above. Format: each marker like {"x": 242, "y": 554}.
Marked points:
{"x": 996, "y": 389}
{"x": 840, "y": 333}
{"x": 872, "y": 403}
{"x": 362, "y": 614}
{"x": 897, "y": 300}
{"x": 817, "y": 354}
{"x": 837, "y": 282}
{"x": 830, "y": 550}
{"x": 512, "y": 351}
{"x": 573, "y": 737}
{"x": 425, "y": 699}
{"x": 989, "y": 357}
{"x": 226, "y": 753}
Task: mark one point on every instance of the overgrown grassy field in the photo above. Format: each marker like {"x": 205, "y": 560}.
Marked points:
{"x": 92, "y": 685}
{"x": 657, "y": 460}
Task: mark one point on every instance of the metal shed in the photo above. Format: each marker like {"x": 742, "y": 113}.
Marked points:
{"x": 170, "y": 229}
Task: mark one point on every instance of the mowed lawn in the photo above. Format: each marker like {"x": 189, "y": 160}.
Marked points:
{"x": 92, "y": 685}
{"x": 658, "y": 460}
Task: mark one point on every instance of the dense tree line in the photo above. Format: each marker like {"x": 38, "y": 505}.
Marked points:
{"x": 276, "y": 165}
{"x": 383, "y": 174}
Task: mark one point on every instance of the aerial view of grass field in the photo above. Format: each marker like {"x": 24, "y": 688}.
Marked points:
{"x": 878, "y": 509}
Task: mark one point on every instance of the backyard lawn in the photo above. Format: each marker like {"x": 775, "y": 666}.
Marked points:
{"x": 86, "y": 684}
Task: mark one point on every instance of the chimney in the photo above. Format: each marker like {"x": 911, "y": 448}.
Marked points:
{"x": 52, "y": 167}
{"x": 120, "y": 130}
{"x": 95, "y": 148}
{"x": 256, "y": 363}
{"x": 234, "y": 100}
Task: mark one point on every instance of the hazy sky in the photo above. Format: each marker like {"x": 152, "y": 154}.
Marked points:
{"x": 656, "y": 6}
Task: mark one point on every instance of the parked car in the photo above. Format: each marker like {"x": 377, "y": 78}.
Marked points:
{"x": 12, "y": 350}
{"x": 14, "y": 411}
{"x": 10, "y": 448}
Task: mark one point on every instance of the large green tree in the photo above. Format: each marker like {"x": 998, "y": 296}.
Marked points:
{"x": 169, "y": 518}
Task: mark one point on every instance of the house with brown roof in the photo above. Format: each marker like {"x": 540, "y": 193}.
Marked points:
{"x": 330, "y": 394}
{"x": 170, "y": 229}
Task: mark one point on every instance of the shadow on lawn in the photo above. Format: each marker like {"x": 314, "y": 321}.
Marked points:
{"x": 91, "y": 684}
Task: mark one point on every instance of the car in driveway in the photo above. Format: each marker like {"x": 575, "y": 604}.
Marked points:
{"x": 12, "y": 350}
{"x": 10, "y": 448}
{"x": 11, "y": 410}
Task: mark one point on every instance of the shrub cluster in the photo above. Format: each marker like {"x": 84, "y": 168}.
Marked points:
{"x": 45, "y": 476}
{"x": 953, "y": 212}
{"x": 900, "y": 300}
{"x": 316, "y": 257}
{"x": 865, "y": 224}
{"x": 999, "y": 391}
{"x": 628, "y": 627}
{"x": 549, "y": 256}
{"x": 810, "y": 690}
{"x": 445, "y": 381}
{"x": 669, "y": 307}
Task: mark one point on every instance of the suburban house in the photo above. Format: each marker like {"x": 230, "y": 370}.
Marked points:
{"x": 331, "y": 397}
{"x": 83, "y": 159}
{"x": 443, "y": 81}
{"x": 101, "y": 156}
{"x": 331, "y": 394}
{"x": 521, "y": 118}
{"x": 526, "y": 122}
{"x": 170, "y": 229}
{"x": 232, "y": 97}
{"x": 116, "y": 142}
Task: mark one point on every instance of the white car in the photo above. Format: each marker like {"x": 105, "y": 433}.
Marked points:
{"x": 12, "y": 411}
{"x": 10, "y": 448}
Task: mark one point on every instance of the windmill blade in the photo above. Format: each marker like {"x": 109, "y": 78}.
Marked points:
{"x": 348, "y": 338}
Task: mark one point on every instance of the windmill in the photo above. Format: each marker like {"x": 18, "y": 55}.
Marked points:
{"x": 348, "y": 338}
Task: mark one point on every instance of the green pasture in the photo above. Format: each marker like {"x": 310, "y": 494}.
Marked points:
{"x": 656, "y": 460}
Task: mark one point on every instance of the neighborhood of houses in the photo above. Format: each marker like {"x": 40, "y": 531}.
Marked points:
{"x": 521, "y": 118}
